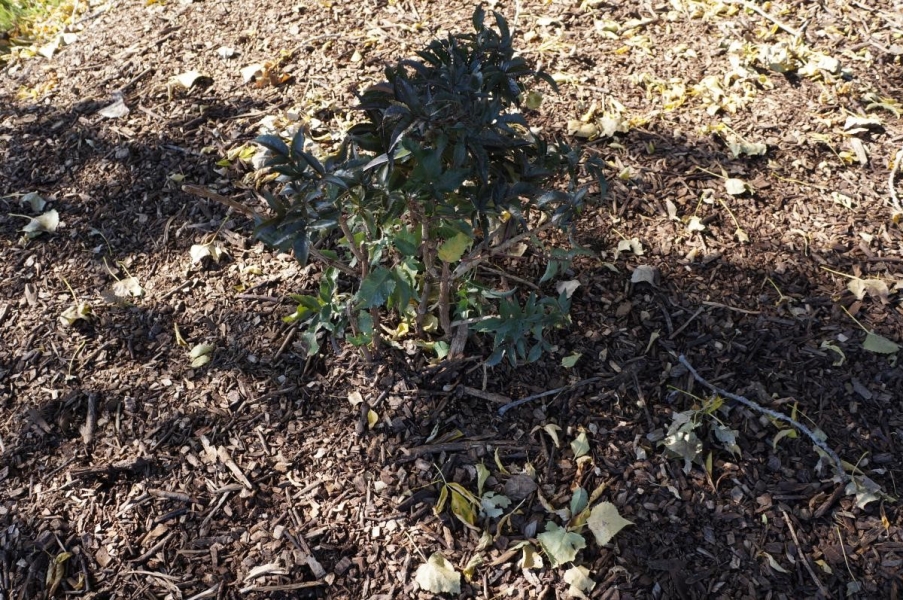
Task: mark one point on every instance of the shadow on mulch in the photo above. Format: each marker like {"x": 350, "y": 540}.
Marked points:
{"x": 759, "y": 336}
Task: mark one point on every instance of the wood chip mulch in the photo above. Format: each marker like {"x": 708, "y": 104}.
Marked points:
{"x": 126, "y": 473}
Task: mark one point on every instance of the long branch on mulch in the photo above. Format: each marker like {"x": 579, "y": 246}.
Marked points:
{"x": 838, "y": 464}
{"x": 628, "y": 372}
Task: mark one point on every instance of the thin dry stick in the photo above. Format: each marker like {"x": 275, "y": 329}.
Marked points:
{"x": 686, "y": 323}
{"x": 476, "y": 257}
{"x": 821, "y": 445}
{"x": 502, "y": 273}
{"x": 426, "y": 253}
{"x": 821, "y": 587}
{"x": 199, "y": 190}
{"x": 756, "y": 9}
{"x": 894, "y": 167}
{"x": 87, "y": 430}
{"x": 564, "y": 388}
{"x": 288, "y": 340}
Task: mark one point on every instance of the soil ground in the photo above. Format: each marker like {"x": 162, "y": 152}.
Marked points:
{"x": 254, "y": 476}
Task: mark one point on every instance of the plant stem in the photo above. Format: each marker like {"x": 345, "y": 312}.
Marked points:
{"x": 360, "y": 253}
{"x": 475, "y": 258}
{"x": 352, "y": 321}
{"x": 332, "y": 263}
{"x": 426, "y": 255}
{"x": 444, "y": 308}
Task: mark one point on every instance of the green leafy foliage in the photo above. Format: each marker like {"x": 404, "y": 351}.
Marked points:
{"x": 442, "y": 175}
{"x": 518, "y": 331}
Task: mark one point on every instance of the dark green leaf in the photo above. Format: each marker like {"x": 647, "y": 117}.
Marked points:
{"x": 274, "y": 144}
{"x": 298, "y": 143}
{"x": 403, "y": 292}
{"x": 496, "y": 357}
{"x": 551, "y": 271}
{"x": 275, "y": 203}
{"x": 301, "y": 246}
{"x": 311, "y": 160}
{"x": 478, "y": 16}
{"x": 309, "y": 338}
{"x": 376, "y": 288}
{"x": 406, "y": 242}
{"x": 548, "y": 79}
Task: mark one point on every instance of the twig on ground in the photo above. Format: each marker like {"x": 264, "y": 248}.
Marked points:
{"x": 821, "y": 587}
{"x": 827, "y": 504}
{"x": 91, "y": 357}
{"x": 894, "y": 199}
{"x": 288, "y": 340}
{"x": 821, "y": 445}
{"x": 132, "y": 465}
{"x": 479, "y": 255}
{"x": 628, "y": 372}
{"x": 199, "y": 190}
{"x": 260, "y": 297}
{"x": 168, "y": 495}
{"x": 759, "y": 11}
{"x": 205, "y": 524}
{"x": 151, "y": 551}
{"x": 686, "y": 323}
{"x": 177, "y": 289}
{"x": 502, "y": 273}
{"x": 90, "y": 420}
{"x": 491, "y": 396}
{"x": 208, "y": 593}
{"x": 564, "y": 388}
{"x": 285, "y": 587}
{"x": 226, "y": 459}
{"x": 733, "y": 308}
{"x": 461, "y": 446}
{"x": 133, "y": 81}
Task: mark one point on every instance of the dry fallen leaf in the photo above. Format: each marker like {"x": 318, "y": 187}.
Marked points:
{"x": 605, "y": 522}
{"x": 579, "y": 580}
{"x": 34, "y": 200}
{"x": 438, "y": 576}
{"x": 76, "y": 312}
{"x": 695, "y": 224}
{"x": 559, "y": 544}
{"x": 191, "y": 78}
{"x": 567, "y": 287}
{"x": 128, "y": 287}
{"x": 249, "y": 73}
{"x": 879, "y": 344}
{"x": 200, "y": 355}
{"x": 47, "y": 222}
{"x": 632, "y": 245}
{"x": 645, "y": 274}
{"x": 873, "y": 287}
{"x": 114, "y": 111}
{"x": 214, "y": 250}
{"x": 736, "y": 187}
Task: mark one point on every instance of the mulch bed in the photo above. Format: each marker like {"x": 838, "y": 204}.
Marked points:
{"x": 126, "y": 473}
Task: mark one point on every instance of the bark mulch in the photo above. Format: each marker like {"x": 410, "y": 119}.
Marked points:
{"x": 127, "y": 473}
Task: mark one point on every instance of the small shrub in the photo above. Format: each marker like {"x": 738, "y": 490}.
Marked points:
{"x": 441, "y": 177}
